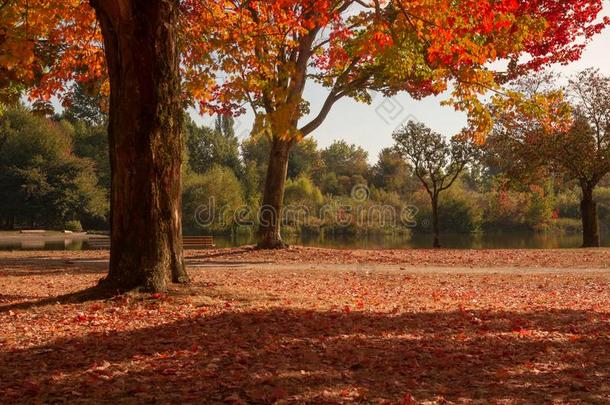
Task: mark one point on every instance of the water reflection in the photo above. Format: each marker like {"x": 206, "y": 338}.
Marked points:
{"x": 514, "y": 240}
{"x": 42, "y": 244}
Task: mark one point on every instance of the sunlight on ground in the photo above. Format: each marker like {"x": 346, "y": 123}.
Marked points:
{"x": 285, "y": 333}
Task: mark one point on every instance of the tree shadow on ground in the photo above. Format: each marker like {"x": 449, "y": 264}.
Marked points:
{"x": 225, "y": 263}
{"x": 94, "y": 293}
{"x": 306, "y": 356}
{"x": 215, "y": 257}
{"x": 45, "y": 265}
{"x": 15, "y": 297}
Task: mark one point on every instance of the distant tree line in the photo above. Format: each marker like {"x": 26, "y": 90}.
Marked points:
{"x": 54, "y": 172}
{"x": 533, "y": 173}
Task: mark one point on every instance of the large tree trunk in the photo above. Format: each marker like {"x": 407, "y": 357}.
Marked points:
{"x": 435, "y": 227}
{"x": 588, "y": 211}
{"x": 273, "y": 197}
{"x": 145, "y": 136}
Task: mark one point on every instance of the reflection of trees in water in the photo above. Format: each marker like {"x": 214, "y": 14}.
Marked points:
{"x": 515, "y": 240}
{"x": 42, "y": 244}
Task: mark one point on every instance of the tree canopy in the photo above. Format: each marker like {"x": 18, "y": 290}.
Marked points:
{"x": 264, "y": 52}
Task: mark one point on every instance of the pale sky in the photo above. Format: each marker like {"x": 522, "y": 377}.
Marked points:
{"x": 371, "y": 126}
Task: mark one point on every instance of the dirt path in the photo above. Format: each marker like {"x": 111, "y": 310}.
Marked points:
{"x": 412, "y": 258}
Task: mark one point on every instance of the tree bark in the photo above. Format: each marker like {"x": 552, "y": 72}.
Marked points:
{"x": 435, "y": 227}
{"x": 588, "y": 211}
{"x": 269, "y": 236}
{"x": 145, "y": 137}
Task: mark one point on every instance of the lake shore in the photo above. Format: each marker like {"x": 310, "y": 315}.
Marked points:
{"x": 407, "y": 258}
{"x": 9, "y": 236}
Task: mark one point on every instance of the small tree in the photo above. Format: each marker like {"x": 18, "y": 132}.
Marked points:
{"x": 572, "y": 142}
{"x": 436, "y": 162}
{"x": 584, "y": 151}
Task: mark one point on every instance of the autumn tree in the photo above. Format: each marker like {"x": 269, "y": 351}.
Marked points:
{"x": 436, "y": 162}
{"x": 266, "y": 52}
{"x": 590, "y": 161}
{"x": 145, "y": 132}
{"x": 48, "y": 44}
{"x": 45, "y": 46}
{"x": 574, "y": 141}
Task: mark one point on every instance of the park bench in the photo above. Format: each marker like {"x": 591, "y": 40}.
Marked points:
{"x": 98, "y": 242}
{"x": 188, "y": 242}
{"x": 197, "y": 242}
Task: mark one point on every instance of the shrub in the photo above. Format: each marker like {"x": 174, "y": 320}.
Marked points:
{"x": 512, "y": 209}
{"x": 459, "y": 211}
{"x": 210, "y": 200}
{"x": 567, "y": 204}
{"x": 330, "y": 184}
{"x": 568, "y": 225}
{"x": 539, "y": 210}
{"x": 73, "y": 226}
{"x": 302, "y": 191}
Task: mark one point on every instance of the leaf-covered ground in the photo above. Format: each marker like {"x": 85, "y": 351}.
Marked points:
{"x": 313, "y": 326}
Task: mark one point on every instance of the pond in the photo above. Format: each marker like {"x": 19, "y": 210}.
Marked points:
{"x": 512, "y": 240}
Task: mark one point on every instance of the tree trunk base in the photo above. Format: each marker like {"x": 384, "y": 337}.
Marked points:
{"x": 272, "y": 244}
{"x": 437, "y": 243}
{"x": 181, "y": 278}
{"x": 151, "y": 286}
{"x": 122, "y": 286}
{"x": 118, "y": 286}
{"x": 179, "y": 274}
{"x": 152, "y": 281}
{"x": 590, "y": 226}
